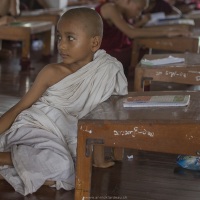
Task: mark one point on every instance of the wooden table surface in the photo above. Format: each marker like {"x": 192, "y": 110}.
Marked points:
{"x": 187, "y": 72}
{"x": 180, "y": 44}
{"x": 160, "y": 129}
{"x": 49, "y": 15}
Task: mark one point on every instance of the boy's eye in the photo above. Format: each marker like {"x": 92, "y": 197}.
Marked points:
{"x": 58, "y": 37}
{"x": 70, "y": 38}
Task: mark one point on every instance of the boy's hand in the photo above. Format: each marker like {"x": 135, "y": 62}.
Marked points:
{"x": 145, "y": 18}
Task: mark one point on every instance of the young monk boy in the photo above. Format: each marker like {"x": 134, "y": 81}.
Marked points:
{"x": 39, "y": 134}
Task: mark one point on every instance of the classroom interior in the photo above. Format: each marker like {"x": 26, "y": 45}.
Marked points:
{"x": 141, "y": 175}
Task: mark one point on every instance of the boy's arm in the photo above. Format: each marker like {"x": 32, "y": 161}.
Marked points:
{"x": 111, "y": 13}
{"x": 14, "y": 8}
{"x": 142, "y": 21}
{"x": 40, "y": 85}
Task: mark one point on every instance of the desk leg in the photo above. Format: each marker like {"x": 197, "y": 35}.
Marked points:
{"x": 26, "y": 46}
{"x": 83, "y": 168}
{"x": 47, "y": 43}
{"x": 138, "y": 80}
{"x": 134, "y": 58}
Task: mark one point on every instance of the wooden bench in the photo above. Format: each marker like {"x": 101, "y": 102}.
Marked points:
{"x": 187, "y": 72}
{"x": 22, "y": 31}
{"x": 149, "y": 129}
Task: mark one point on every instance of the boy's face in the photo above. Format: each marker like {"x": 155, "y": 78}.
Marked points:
{"x": 74, "y": 43}
{"x": 134, "y": 9}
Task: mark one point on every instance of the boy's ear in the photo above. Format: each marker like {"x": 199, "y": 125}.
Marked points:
{"x": 96, "y": 43}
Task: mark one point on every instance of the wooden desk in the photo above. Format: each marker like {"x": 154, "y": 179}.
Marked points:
{"x": 174, "y": 44}
{"x": 184, "y": 73}
{"x": 41, "y": 15}
{"x": 22, "y": 31}
{"x": 169, "y": 130}
{"x": 49, "y": 15}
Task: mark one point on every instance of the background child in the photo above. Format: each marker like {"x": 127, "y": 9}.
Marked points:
{"x": 38, "y": 136}
{"x": 118, "y": 31}
{"x": 166, "y": 6}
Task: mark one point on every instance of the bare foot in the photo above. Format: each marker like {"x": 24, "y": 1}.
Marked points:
{"x": 49, "y": 183}
{"x": 118, "y": 154}
{"x": 105, "y": 164}
{"x": 99, "y": 158}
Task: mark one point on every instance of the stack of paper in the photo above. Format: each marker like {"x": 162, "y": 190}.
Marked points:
{"x": 162, "y": 61}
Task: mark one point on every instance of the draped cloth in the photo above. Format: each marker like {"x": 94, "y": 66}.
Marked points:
{"x": 43, "y": 138}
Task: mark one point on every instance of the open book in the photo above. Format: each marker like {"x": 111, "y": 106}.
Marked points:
{"x": 157, "y": 101}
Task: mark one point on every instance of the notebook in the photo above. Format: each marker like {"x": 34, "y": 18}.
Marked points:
{"x": 157, "y": 101}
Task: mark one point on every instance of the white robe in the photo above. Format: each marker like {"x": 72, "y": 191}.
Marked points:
{"x": 43, "y": 138}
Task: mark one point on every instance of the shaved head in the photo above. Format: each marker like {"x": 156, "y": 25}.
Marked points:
{"x": 90, "y": 20}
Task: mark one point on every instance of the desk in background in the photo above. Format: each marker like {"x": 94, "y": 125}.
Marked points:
{"x": 168, "y": 44}
{"x": 22, "y": 31}
{"x": 187, "y": 72}
{"x": 41, "y": 15}
{"x": 167, "y": 130}
{"x": 51, "y": 14}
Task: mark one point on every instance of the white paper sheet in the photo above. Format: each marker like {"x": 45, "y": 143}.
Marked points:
{"x": 162, "y": 61}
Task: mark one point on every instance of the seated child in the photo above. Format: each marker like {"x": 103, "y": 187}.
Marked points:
{"x": 118, "y": 32}
{"x": 38, "y": 136}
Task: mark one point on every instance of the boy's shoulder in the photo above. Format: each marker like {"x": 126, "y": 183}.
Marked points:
{"x": 110, "y": 4}
{"x": 54, "y": 72}
{"x": 51, "y": 68}
{"x": 108, "y": 9}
